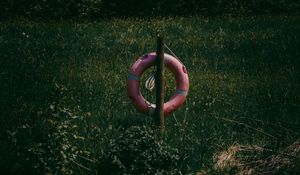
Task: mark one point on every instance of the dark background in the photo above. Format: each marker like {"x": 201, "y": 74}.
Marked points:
{"x": 99, "y": 9}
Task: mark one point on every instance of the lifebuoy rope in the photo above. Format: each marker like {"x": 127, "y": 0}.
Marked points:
{"x": 150, "y": 82}
{"x": 178, "y": 90}
{"x": 172, "y": 53}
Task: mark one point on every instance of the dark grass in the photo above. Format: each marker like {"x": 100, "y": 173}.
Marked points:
{"x": 244, "y": 79}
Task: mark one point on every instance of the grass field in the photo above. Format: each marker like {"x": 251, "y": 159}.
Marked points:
{"x": 63, "y": 101}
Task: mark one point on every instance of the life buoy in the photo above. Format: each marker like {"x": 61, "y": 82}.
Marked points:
{"x": 133, "y": 84}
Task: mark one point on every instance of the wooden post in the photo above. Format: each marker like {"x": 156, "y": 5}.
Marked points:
{"x": 159, "y": 83}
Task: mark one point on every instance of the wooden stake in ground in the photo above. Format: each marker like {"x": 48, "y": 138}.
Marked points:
{"x": 159, "y": 83}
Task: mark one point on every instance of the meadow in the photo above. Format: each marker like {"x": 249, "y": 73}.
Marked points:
{"x": 64, "y": 108}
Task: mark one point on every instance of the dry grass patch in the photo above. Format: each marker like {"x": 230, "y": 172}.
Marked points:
{"x": 253, "y": 159}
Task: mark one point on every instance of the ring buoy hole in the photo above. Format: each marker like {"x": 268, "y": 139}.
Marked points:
{"x": 169, "y": 85}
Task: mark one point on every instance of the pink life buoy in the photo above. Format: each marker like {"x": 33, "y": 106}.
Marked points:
{"x": 133, "y": 84}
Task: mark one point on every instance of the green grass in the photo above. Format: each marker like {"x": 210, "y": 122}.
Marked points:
{"x": 244, "y": 82}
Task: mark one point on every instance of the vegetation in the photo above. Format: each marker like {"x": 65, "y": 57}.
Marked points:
{"x": 99, "y": 9}
{"x": 64, "y": 109}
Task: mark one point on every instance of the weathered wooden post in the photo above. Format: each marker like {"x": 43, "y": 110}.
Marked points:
{"x": 159, "y": 83}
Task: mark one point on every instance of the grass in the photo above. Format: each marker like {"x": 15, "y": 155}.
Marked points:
{"x": 244, "y": 83}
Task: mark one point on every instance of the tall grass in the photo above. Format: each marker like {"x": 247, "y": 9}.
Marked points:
{"x": 244, "y": 87}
